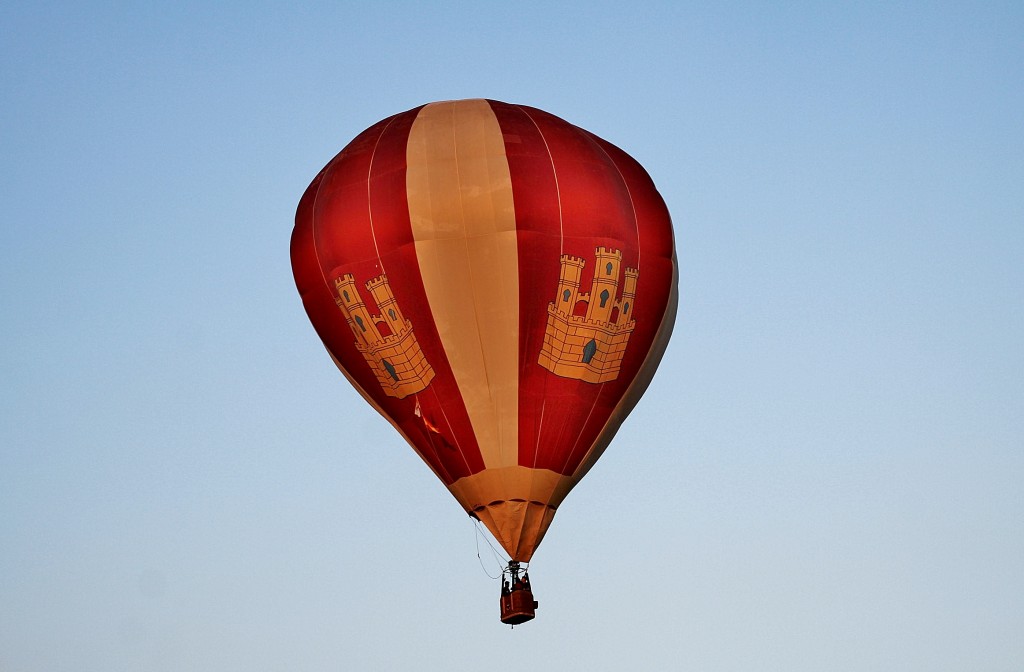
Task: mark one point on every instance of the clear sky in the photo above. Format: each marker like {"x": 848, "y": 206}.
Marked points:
{"x": 826, "y": 474}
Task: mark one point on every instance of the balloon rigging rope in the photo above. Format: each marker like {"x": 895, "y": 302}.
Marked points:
{"x": 494, "y": 551}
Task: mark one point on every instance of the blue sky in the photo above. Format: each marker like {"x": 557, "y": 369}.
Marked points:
{"x": 825, "y": 474}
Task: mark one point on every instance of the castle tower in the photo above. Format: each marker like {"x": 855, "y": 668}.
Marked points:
{"x": 355, "y": 311}
{"x": 396, "y": 359}
{"x": 385, "y": 300}
{"x": 628, "y": 296}
{"x": 569, "y": 284}
{"x": 605, "y": 285}
{"x": 589, "y": 348}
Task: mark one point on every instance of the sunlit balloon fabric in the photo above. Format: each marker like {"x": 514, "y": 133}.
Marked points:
{"x": 500, "y": 285}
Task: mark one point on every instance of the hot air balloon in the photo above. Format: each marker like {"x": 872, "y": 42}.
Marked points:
{"x": 500, "y": 285}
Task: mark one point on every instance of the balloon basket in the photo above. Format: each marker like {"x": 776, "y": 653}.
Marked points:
{"x": 517, "y": 603}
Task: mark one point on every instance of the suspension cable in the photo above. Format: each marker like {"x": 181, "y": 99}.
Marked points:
{"x": 501, "y": 562}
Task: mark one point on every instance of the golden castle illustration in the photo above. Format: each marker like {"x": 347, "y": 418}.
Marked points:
{"x": 386, "y": 341}
{"x": 590, "y": 347}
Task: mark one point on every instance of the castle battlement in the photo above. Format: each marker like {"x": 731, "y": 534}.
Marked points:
{"x": 598, "y": 325}
{"x": 589, "y": 347}
{"x": 386, "y": 341}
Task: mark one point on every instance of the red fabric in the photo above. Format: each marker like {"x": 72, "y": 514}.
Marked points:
{"x": 573, "y": 192}
{"x": 333, "y": 236}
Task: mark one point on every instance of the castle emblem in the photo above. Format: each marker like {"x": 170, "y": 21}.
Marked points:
{"x": 589, "y": 346}
{"x": 386, "y": 341}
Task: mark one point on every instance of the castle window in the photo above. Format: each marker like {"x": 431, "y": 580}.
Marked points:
{"x": 344, "y": 293}
{"x": 604, "y": 297}
{"x": 565, "y": 295}
{"x": 359, "y": 321}
{"x": 625, "y": 308}
{"x": 389, "y": 367}
{"x": 588, "y": 351}
{"x": 608, "y": 269}
{"x": 391, "y": 312}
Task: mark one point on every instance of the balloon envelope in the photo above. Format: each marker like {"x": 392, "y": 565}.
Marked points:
{"x": 500, "y": 285}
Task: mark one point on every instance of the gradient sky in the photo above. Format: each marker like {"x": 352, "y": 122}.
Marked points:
{"x": 826, "y": 474}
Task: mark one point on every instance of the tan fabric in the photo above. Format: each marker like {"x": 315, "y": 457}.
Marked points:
{"x": 463, "y": 221}
{"x": 519, "y": 520}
